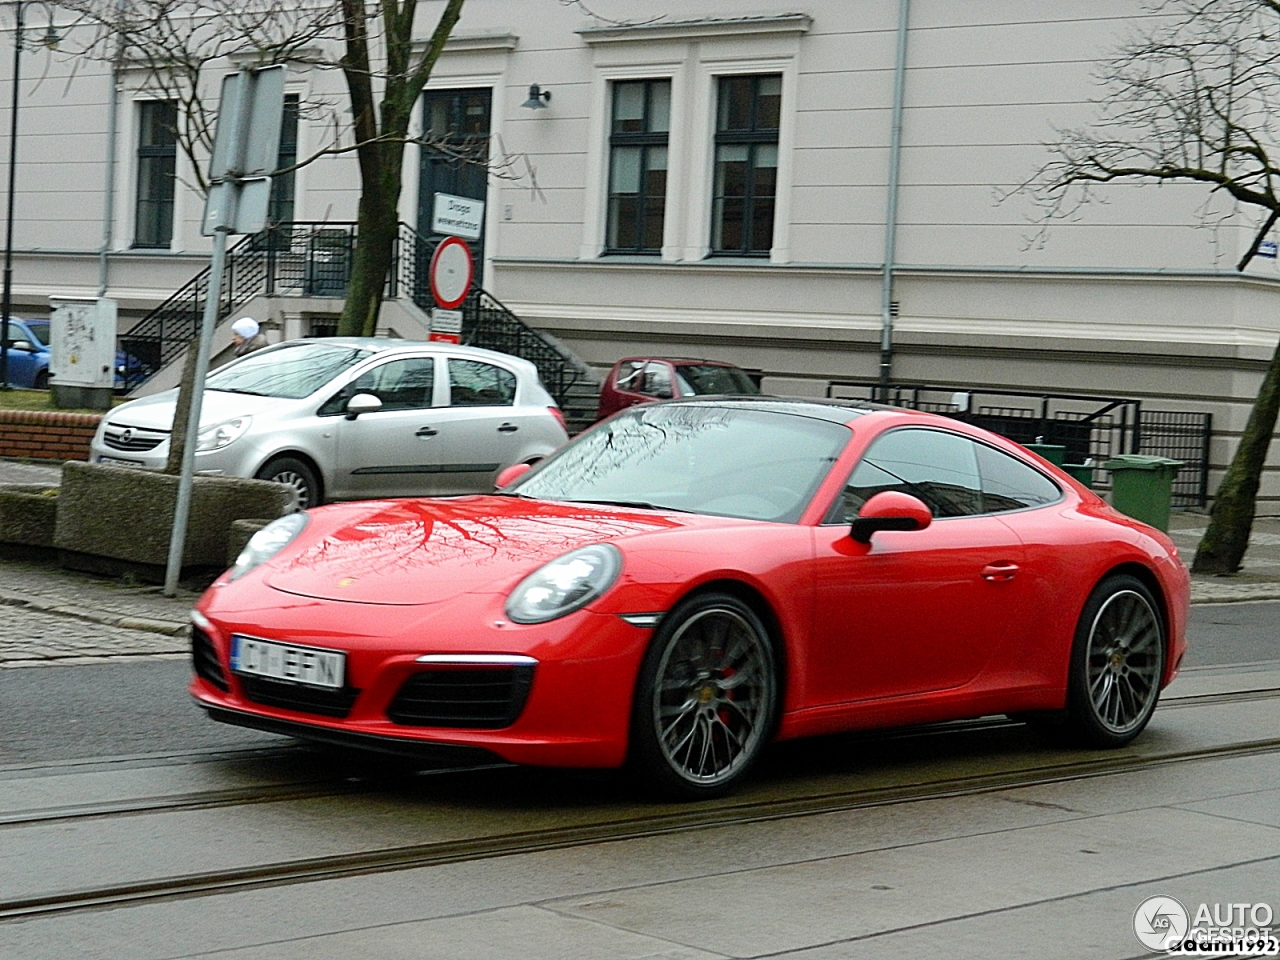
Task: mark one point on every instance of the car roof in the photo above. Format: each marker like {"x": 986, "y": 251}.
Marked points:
{"x": 834, "y": 411}
{"x": 391, "y": 345}
{"x": 679, "y": 360}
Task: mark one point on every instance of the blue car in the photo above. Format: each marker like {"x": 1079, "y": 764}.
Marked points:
{"x": 29, "y": 358}
{"x": 29, "y": 353}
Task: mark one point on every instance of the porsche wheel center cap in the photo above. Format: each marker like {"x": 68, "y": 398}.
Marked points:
{"x": 706, "y": 694}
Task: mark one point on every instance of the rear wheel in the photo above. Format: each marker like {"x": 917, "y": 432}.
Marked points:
{"x": 705, "y": 700}
{"x": 1117, "y": 662}
{"x": 42, "y": 380}
{"x": 299, "y": 476}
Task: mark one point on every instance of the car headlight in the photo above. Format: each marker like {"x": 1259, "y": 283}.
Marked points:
{"x": 221, "y": 434}
{"x": 267, "y": 542}
{"x": 565, "y": 584}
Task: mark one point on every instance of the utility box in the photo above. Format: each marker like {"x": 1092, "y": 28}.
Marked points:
{"x": 1142, "y": 487}
{"x": 82, "y": 345}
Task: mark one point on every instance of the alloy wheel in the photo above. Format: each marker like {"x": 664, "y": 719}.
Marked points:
{"x": 1123, "y": 661}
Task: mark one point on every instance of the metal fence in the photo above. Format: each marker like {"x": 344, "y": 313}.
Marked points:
{"x": 1091, "y": 428}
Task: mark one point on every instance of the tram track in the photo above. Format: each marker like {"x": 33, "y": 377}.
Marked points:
{"x": 659, "y": 820}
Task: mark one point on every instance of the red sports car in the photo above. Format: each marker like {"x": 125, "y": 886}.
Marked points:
{"x": 689, "y": 580}
{"x": 646, "y": 379}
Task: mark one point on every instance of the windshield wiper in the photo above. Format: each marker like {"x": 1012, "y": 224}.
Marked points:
{"x": 638, "y": 504}
{"x": 250, "y": 393}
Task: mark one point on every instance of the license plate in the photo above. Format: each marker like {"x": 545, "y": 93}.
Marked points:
{"x": 120, "y": 463}
{"x": 284, "y": 661}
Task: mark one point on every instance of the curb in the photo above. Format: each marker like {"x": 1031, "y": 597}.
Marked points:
{"x": 168, "y": 628}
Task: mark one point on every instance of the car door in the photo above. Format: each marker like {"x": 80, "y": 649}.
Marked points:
{"x": 480, "y": 427}
{"x": 24, "y": 360}
{"x": 391, "y": 452}
{"x": 913, "y": 611}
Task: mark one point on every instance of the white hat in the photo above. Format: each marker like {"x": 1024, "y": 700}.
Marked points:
{"x": 247, "y": 327}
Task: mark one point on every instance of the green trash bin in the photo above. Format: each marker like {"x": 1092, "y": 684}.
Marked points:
{"x": 1082, "y": 472}
{"x": 1142, "y": 487}
{"x": 1053, "y": 452}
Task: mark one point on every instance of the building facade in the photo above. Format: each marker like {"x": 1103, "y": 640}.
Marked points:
{"x": 716, "y": 178}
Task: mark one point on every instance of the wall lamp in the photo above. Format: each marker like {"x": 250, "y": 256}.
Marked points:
{"x": 536, "y": 97}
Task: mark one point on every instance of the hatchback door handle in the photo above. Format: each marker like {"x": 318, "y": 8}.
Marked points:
{"x": 426, "y": 432}
{"x": 999, "y": 571}
{"x": 508, "y": 428}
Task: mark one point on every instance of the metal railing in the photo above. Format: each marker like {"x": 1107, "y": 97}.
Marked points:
{"x": 314, "y": 260}
{"x": 1090, "y": 427}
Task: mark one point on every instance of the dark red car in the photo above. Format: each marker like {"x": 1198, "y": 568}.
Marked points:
{"x": 645, "y": 379}
{"x": 687, "y": 581}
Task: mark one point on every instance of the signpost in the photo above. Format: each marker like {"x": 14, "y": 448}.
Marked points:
{"x": 452, "y": 270}
{"x": 246, "y": 145}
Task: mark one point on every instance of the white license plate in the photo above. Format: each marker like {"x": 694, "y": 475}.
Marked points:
{"x": 120, "y": 463}
{"x": 283, "y": 661}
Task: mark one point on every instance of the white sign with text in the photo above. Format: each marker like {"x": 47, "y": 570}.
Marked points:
{"x": 458, "y": 216}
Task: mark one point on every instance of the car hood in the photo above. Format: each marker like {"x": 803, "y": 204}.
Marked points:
{"x": 406, "y": 552}
{"x": 156, "y": 412}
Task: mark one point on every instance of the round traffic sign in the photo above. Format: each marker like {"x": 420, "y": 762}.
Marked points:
{"x": 452, "y": 269}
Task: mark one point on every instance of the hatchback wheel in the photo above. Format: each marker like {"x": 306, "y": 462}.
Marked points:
{"x": 705, "y": 700}
{"x": 299, "y": 476}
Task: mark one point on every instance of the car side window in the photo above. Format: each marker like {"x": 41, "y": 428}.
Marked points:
{"x": 630, "y": 376}
{"x": 405, "y": 384}
{"x": 935, "y": 466}
{"x": 476, "y": 384}
{"x": 657, "y": 381}
{"x": 1010, "y": 484}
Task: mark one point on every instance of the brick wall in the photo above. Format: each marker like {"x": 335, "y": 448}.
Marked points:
{"x": 46, "y": 435}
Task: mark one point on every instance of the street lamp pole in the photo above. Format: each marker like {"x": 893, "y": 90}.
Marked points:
{"x": 7, "y": 306}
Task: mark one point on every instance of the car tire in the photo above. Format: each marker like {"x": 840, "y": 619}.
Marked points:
{"x": 1117, "y": 663}
{"x": 705, "y": 700}
{"x": 41, "y": 381}
{"x": 297, "y": 474}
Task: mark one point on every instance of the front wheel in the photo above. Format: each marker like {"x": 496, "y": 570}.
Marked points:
{"x": 1117, "y": 662}
{"x": 298, "y": 476}
{"x": 705, "y": 700}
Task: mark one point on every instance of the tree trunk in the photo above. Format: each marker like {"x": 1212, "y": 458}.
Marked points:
{"x": 376, "y": 226}
{"x": 1231, "y": 519}
{"x": 178, "y": 436}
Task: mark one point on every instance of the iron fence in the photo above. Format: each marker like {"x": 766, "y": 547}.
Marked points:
{"x": 1091, "y": 428}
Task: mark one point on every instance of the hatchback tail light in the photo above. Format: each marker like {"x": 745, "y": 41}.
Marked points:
{"x": 555, "y": 412}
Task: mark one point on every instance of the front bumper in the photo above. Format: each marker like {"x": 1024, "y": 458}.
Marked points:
{"x": 576, "y": 714}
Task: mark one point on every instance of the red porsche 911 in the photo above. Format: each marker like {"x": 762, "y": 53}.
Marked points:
{"x": 687, "y": 581}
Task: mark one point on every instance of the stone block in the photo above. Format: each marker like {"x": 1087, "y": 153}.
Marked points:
{"x": 28, "y": 514}
{"x": 127, "y": 515}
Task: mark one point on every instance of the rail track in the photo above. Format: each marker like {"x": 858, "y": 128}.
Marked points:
{"x": 798, "y": 800}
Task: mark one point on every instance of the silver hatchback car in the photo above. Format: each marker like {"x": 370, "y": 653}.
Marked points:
{"x": 350, "y": 418}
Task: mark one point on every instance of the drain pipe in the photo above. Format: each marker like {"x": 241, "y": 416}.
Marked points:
{"x": 888, "y": 308}
{"x": 109, "y": 194}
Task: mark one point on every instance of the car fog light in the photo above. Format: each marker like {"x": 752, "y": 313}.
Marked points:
{"x": 565, "y": 584}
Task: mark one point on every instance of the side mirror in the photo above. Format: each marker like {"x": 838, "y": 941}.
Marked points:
{"x": 23, "y": 345}
{"x": 510, "y": 475}
{"x": 362, "y": 403}
{"x": 890, "y": 510}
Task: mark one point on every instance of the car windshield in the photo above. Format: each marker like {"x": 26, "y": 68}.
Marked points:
{"x": 720, "y": 460}
{"x": 705, "y": 378}
{"x": 290, "y": 373}
{"x": 39, "y": 330}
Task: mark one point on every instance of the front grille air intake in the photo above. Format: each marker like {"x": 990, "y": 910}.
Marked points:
{"x": 204, "y": 659}
{"x": 483, "y": 698}
{"x": 295, "y": 696}
{"x": 129, "y": 439}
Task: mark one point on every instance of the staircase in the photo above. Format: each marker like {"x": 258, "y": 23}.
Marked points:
{"x": 314, "y": 260}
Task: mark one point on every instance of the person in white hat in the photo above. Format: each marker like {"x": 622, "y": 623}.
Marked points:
{"x": 246, "y": 336}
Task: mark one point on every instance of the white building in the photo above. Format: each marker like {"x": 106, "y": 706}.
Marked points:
{"x": 711, "y": 177}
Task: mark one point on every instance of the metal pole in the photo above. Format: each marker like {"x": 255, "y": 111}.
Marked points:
{"x": 7, "y": 306}
{"x": 891, "y": 212}
{"x": 109, "y": 200}
{"x": 178, "y": 538}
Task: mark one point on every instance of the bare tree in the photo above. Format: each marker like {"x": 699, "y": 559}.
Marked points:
{"x": 1194, "y": 98}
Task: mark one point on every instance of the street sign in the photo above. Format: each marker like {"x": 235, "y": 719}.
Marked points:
{"x": 246, "y": 148}
{"x": 457, "y": 216}
{"x": 446, "y": 326}
{"x": 452, "y": 269}
{"x": 1268, "y": 249}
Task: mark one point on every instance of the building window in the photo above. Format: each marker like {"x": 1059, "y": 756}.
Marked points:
{"x": 746, "y": 176}
{"x": 638, "y": 165}
{"x": 281, "y": 209}
{"x": 157, "y": 156}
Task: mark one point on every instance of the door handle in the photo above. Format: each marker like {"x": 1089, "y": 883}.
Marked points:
{"x": 426, "y": 432}
{"x": 999, "y": 571}
{"x": 508, "y": 428}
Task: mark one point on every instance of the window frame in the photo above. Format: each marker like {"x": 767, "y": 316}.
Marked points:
{"x": 827, "y": 520}
{"x": 645, "y": 140}
{"x": 144, "y": 152}
{"x": 752, "y": 138}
